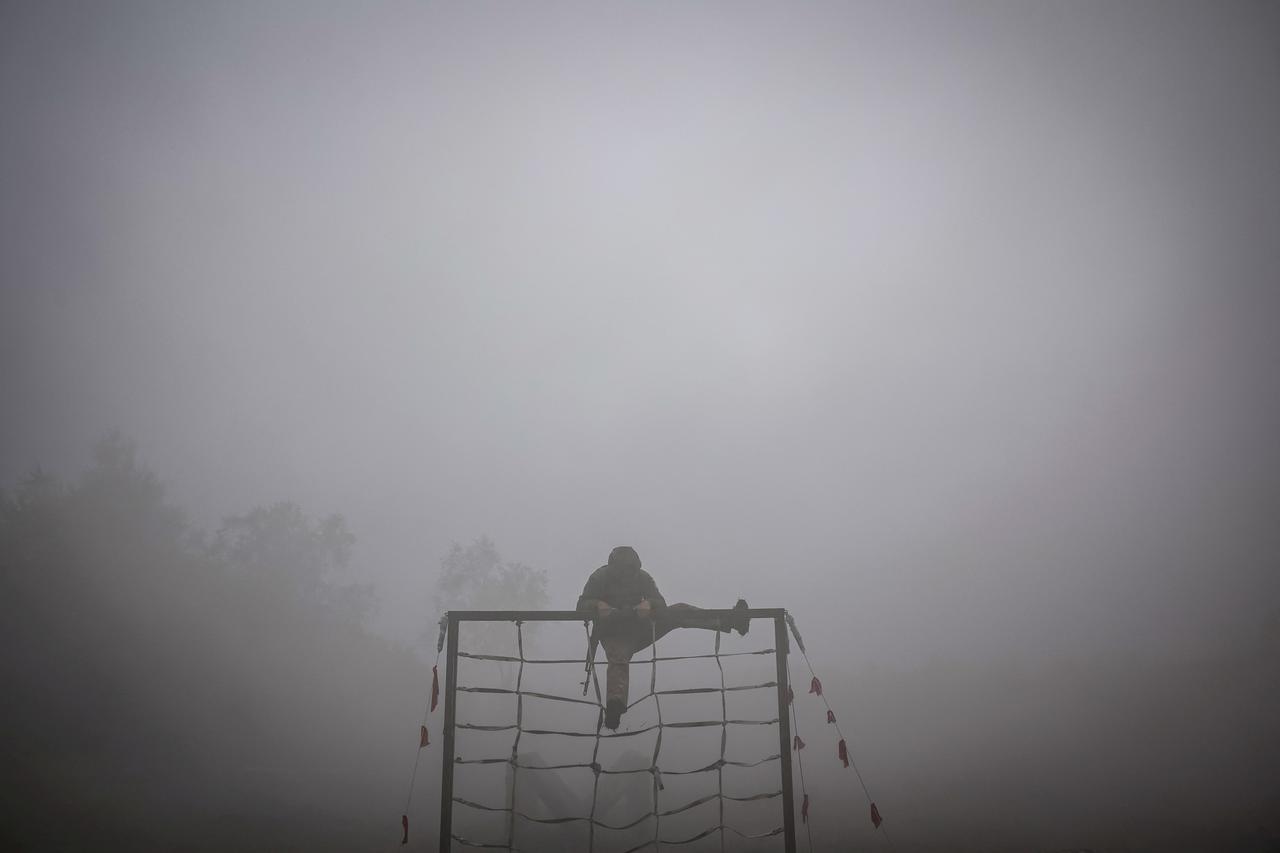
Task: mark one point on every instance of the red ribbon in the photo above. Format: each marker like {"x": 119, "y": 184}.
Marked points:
{"x": 843, "y": 752}
{"x": 815, "y": 686}
{"x": 804, "y": 810}
{"x": 797, "y": 743}
{"x": 875, "y": 816}
{"x": 423, "y": 740}
{"x": 404, "y": 822}
{"x": 435, "y": 686}
{"x": 831, "y": 716}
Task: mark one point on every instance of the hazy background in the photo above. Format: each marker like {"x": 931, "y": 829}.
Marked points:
{"x": 948, "y": 327}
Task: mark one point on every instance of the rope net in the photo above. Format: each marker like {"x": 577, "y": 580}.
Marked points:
{"x": 558, "y": 779}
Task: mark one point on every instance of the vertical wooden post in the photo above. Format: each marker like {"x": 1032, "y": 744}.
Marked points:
{"x": 446, "y": 760}
{"x": 784, "y": 733}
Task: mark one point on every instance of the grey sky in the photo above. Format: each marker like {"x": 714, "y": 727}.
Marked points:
{"x": 949, "y": 327}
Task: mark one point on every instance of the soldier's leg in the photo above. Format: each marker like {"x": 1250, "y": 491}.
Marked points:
{"x": 646, "y": 632}
{"x": 687, "y": 616}
{"x": 617, "y": 650}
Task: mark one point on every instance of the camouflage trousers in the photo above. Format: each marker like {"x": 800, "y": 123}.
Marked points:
{"x": 622, "y": 639}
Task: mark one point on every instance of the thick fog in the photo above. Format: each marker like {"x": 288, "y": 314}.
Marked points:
{"x": 948, "y": 327}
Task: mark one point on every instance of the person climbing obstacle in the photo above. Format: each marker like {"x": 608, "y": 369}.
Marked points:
{"x": 630, "y": 614}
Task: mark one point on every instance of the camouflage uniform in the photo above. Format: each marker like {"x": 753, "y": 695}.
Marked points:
{"x": 622, "y": 584}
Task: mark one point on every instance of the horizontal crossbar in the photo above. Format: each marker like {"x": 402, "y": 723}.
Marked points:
{"x": 579, "y": 616}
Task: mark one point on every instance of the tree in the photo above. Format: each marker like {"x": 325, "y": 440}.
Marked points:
{"x": 476, "y": 578}
{"x": 286, "y": 551}
{"x": 161, "y": 684}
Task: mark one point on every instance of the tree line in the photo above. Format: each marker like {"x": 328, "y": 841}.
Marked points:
{"x": 170, "y": 689}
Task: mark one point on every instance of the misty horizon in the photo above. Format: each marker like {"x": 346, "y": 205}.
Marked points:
{"x": 948, "y": 328}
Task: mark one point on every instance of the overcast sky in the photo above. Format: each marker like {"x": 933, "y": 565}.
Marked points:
{"x": 950, "y": 327}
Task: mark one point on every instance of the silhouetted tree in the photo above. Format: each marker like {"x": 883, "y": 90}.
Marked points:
{"x": 476, "y": 578}
{"x": 282, "y": 547}
{"x": 164, "y": 694}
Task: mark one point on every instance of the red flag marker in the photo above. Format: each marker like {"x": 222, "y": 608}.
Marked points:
{"x": 804, "y": 810}
{"x": 797, "y": 743}
{"x": 831, "y": 716}
{"x": 875, "y": 816}
{"x": 791, "y": 695}
{"x": 815, "y": 686}
{"x": 404, "y": 822}
{"x": 423, "y": 740}
{"x": 435, "y": 686}
{"x": 843, "y": 752}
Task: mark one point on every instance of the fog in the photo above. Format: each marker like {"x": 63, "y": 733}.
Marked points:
{"x": 947, "y": 327}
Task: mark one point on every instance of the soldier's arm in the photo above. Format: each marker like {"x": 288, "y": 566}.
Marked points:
{"x": 589, "y": 601}
{"x": 651, "y": 594}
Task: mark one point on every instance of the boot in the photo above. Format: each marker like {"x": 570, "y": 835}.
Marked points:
{"x": 613, "y": 714}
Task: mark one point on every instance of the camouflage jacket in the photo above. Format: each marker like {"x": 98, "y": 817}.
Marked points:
{"x": 620, "y": 586}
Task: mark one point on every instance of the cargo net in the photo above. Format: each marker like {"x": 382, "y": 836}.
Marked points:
{"x": 695, "y": 762}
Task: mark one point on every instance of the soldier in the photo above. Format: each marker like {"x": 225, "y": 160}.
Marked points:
{"x": 630, "y": 614}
